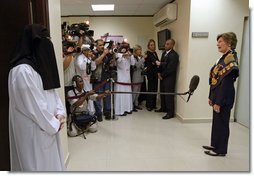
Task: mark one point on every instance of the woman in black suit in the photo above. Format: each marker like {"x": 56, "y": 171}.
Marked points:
{"x": 151, "y": 71}
{"x": 222, "y": 93}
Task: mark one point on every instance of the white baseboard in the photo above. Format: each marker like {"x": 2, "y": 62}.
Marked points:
{"x": 197, "y": 120}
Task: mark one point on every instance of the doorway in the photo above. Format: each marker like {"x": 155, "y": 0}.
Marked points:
{"x": 14, "y": 16}
{"x": 242, "y": 111}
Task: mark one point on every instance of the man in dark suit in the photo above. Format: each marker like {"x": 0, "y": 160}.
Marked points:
{"x": 167, "y": 75}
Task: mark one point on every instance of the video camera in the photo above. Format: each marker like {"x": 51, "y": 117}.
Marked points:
{"x": 124, "y": 47}
{"x": 110, "y": 46}
{"x": 107, "y": 64}
{"x": 69, "y": 43}
{"x": 74, "y": 32}
{"x": 74, "y": 29}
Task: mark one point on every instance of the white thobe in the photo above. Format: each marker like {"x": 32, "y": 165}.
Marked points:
{"x": 33, "y": 127}
{"x": 81, "y": 69}
{"x": 123, "y": 102}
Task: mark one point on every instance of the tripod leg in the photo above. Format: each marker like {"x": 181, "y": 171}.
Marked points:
{"x": 113, "y": 117}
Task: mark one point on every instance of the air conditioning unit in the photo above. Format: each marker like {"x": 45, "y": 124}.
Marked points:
{"x": 165, "y": 15}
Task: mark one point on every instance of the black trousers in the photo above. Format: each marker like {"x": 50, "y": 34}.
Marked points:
{"x": 168, "y": 101}
{"x": 152, "y": 87}
{"x": 220, "y": 130}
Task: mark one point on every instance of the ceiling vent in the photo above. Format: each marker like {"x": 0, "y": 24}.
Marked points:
{"x": 165, "y": 15}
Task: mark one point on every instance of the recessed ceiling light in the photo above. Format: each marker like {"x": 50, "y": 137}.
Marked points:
{"x": 103, "y": 7}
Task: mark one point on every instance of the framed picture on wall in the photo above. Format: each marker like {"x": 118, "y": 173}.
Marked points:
{"x": 114, "y": 38}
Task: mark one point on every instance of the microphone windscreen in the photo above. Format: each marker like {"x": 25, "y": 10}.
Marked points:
{"x": 194, "y": 83}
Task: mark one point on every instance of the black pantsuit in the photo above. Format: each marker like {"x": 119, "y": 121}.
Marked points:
{"x": 152, "y": 78}
{"x": 222, "y": 93}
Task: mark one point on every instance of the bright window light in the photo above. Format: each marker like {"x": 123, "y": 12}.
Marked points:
{"x": 103, "y": 7}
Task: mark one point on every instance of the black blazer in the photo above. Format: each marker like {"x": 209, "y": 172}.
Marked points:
{"x": 224, "y": 93}
{"x": 150, "y": 64}
{"x": 169, "y": 64}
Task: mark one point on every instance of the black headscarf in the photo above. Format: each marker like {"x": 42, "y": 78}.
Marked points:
{"x": 35, "y": 49}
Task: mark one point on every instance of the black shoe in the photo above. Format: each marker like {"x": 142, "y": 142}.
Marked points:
{"x": 149, "y": 109}
{"x": 208, "y": 147}
{"x": 167, "y": 116}
{"x": 108, "y": 117}
{"x": 124, "y": 114}
{"x": 99, "y": 118}
{"x": 107, "y": 113}
{"x": 135, "y": 110}
{"x": 128, "y": 112}
{"x": 211, "y": 153}
{"x": 159, "y": 110}
{"x": 138, "y": 107}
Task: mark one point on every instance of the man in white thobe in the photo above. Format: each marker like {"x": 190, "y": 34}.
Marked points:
{"x": 84, "y": 66}
{"x": 123, "y": 102}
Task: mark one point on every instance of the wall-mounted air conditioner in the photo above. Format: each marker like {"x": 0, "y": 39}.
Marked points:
{"x": 165, "y": 15}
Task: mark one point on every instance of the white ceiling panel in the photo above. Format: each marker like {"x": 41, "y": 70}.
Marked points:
{"x": 122, "y": 7}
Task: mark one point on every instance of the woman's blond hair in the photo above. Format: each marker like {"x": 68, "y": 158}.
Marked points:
{"x": 135, "y": 48}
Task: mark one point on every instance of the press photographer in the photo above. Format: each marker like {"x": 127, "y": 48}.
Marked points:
{"x": 123, "y": 102}
{"x": 104, "y": 60}
{"x": 71, "y": 49}
{"x": 69, "y": 54}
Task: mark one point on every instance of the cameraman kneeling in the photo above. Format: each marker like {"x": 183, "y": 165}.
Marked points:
{"x": 78, "y": 98}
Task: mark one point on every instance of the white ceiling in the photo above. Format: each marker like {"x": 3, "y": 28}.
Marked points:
{"x": 122, "y": 7}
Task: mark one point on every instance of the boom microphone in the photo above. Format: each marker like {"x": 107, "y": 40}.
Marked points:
{"x": 193, "y": 85}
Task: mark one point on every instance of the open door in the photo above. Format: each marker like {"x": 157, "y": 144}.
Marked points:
{"x": 242, "y": 110}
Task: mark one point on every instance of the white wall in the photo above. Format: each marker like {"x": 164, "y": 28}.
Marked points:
{"x": 180, "y": 33}
{"x": 215, "y": 17}
{"x": 197, "y": 55}
{"x": 55, "y": 31}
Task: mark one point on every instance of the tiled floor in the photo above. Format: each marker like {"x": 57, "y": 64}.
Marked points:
{"x": 143, "y": 141}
